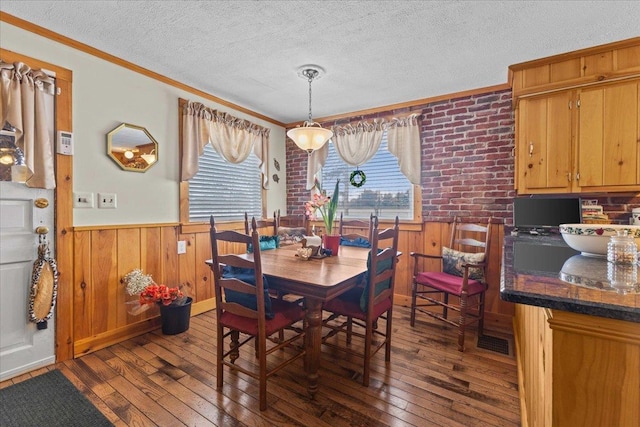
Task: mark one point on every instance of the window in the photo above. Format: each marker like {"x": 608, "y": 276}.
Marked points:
{"x": 225, "y": 190}
{"x": 386, "y": 192}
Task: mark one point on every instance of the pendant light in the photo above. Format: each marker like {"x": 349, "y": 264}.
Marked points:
{"x": 310, "y": 136}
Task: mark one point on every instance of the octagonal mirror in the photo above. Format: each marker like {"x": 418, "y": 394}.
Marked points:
{"x": 132, "y": 148}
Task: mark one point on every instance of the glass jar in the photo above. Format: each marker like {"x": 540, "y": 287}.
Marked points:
{"x": 622, "y": 249}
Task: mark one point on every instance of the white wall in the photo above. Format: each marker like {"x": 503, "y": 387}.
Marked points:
{"x": 106, "y": 95}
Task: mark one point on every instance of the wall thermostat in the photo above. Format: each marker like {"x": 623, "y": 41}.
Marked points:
{"x": 65, "y": 143}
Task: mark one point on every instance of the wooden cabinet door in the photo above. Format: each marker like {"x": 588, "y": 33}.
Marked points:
{"x": 608, "y": 136}
{"x": 544, "y": 143}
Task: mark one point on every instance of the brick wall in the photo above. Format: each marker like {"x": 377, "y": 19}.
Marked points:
{"x": 467, "y": 163}
{"x": 467, "y": 167}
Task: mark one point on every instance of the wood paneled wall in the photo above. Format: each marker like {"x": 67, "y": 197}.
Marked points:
{"x": 104, "y": 255}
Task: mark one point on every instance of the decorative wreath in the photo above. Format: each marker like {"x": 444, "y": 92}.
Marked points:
{"x": 357, "y": 178}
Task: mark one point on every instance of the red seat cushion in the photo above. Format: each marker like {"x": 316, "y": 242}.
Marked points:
{"x": 448, "y": 283}
{"x": 348, "y": 304}
{"x": 285, "y": 314}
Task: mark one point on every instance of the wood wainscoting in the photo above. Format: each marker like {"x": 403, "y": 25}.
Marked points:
{"x": 103, "y": 255}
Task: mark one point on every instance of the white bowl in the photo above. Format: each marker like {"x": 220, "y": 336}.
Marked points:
{"x": 592, "y": 239}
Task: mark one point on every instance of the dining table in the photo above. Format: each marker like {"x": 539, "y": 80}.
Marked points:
{"x": 317, "y": 280}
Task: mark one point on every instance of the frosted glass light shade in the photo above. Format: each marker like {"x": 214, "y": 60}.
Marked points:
{"x": 310, "y": 136}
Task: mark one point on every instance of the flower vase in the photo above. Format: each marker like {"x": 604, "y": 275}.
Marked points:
{"x": 175, "y": 318}
{"x": 331, "y": 242}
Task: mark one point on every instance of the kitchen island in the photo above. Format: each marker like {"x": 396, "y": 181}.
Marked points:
{"x": 577, "y": 333}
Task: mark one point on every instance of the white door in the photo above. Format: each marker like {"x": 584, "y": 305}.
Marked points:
{"x": 22, "y": 346}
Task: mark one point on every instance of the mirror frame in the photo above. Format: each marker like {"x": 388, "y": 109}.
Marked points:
{"x": 135, "y": 163}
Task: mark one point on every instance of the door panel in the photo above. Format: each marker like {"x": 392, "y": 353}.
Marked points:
{"x": 22, "y": 346}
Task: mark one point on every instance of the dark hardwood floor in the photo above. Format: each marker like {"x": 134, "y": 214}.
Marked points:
{"x": 163, "y": 380}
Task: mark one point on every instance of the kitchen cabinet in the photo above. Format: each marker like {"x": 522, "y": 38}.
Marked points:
{"x": 577, "y": 121}
{"x": 544, "y": 143}
{"x": 608, "y": 136}
{"x": 576, "y": 369}
{"x": 580, "y": 140}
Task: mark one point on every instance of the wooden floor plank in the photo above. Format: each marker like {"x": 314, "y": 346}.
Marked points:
{"x": 168, "y": 380}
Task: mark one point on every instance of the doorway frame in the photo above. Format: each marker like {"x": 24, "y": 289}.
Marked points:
{"x": 63, "y": 211}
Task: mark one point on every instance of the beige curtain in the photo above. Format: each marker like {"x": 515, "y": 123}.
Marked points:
{"x": 316, "y": 161}
{"x": 27, "y": 104}
{"x": 233, "y": 138}
{"x": 403, "y": 138}
{"x": 358, "y": 143}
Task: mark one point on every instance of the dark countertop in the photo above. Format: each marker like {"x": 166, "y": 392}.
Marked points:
{"x": 544, "y": 271}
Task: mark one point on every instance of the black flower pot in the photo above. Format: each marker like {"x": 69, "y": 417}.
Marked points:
{"x": 175, "y": 318}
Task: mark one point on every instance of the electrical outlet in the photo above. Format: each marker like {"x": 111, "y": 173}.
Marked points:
{"x": 82, "y": 199}
{"x": 107, "y": 200}
{"x": 182, "y": 247}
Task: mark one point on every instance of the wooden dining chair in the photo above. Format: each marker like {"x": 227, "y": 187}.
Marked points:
{"x": 364, "y": 305}
{"x": 462, "y": 273}
{"x": 349, "y": 237}
{"x": 291, "y": 229}
{"x": 245, "y": 312}
{"x": 261, "y": 223}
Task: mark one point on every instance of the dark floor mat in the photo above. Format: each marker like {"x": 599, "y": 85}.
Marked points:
{"x": 499, "y": 345}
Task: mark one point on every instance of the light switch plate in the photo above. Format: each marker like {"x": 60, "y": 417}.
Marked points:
{"x": 107, "y": 201}
{"x": 182, "y": 247}
{"x": 82, "y": 199}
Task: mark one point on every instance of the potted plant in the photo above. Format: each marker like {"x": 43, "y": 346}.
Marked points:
{"x": 175, "y": 308}
{"x": 327, "y": 206}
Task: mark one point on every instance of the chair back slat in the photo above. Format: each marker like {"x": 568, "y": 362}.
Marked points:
{"x": 470, "y": 242}
{"x": 385, "y": 294}
{"x": 240, "y": 310}
{"x": 237, "y": 285}
{"x": 234, "y": 260}
{"x": 472, "y": 227}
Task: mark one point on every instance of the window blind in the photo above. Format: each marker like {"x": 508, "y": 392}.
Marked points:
{"x": 225, "y": 190}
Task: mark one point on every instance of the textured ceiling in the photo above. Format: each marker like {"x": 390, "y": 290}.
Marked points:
{"x": 375, "y": 53}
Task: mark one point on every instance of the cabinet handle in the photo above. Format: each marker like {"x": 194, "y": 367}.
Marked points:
{"x": 530, "y": 149}
{"x": 578, "y": 176}
{"x": 578, "y": 103}
{"x": 569, "y": 176}
{"x": 570, "y": 104}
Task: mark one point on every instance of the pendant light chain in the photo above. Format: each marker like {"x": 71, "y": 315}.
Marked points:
{"x": 311, "y": 74}
{"x": 310, "y": 80}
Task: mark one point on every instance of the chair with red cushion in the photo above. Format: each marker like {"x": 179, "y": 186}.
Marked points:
{"x": 365, "y": 305}
{"x": 246, "y": 313}
{"x": 461, "y": 273}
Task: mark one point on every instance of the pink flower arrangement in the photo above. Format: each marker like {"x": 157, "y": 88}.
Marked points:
{"x": 327, "y": 205}
{"x": 161, "y": 294}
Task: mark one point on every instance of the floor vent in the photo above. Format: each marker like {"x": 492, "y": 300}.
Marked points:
{"x": 499, "y": 345}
